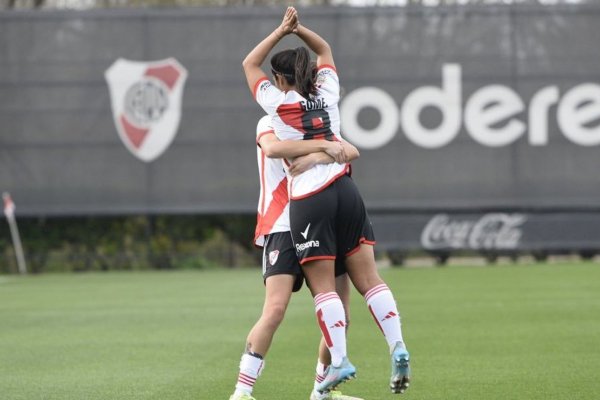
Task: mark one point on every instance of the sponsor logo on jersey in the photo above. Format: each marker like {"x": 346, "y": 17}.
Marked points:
{"x": 146, "y": 104}
{"x": 273, "y": 256}
{"x": 305, "y": 233}
{"x": 306, "y": 245}
{"x": 265, "y": 85}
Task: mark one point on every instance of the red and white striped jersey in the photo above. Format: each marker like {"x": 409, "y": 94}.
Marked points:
{"x": 294, "y": 117}
{"x": 273, "y": 203}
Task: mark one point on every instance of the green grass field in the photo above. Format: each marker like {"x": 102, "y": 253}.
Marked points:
{"x": 501, "y": 332}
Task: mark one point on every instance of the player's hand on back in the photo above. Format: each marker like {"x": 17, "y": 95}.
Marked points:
{"x": 303, "y": 163}
{"x": 336, "y": 151}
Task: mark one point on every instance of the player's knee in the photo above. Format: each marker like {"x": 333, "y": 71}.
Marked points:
{"x": 365, "y": 283}
{"x": 275, "y": 313}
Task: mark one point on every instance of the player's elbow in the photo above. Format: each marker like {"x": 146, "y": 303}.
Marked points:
{"x": 249, "y": 63}
{"x": 325, "y": 49}
{"x": 269, "y": 150}
{"x": 245, "y": 63}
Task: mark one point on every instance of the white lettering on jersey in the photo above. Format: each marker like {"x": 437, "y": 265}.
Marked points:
{"x": 298, "y": 118}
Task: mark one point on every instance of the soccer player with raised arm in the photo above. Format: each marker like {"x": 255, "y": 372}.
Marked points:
{"x": 327, "y": 213}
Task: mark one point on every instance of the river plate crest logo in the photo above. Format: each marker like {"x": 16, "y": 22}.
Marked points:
{"x": 146, "y": 103}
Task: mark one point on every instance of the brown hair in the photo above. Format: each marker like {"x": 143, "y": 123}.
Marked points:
{"x": 297, "y": 68}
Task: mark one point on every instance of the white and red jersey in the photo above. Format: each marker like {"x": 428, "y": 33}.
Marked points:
{"x": 273, "y": 203}
{"x": 294, "y": 117}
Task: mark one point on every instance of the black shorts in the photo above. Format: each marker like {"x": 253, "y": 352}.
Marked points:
{"x": 280, "y": 258}
{"x": 331, "y": 222}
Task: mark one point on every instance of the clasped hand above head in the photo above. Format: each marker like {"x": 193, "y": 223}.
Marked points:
{"x": 290, "y": 22}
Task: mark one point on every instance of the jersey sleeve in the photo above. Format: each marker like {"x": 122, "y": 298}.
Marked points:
{"x": 264, "y": 127}
{"x": 268, "y": 96}
{"x": 328, "y": 84}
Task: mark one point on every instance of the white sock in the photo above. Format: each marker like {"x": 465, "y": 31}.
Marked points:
{"x": 250, "y": 369}
{"x": 332, "y": 321}
{"x": 385, "y": 313}
{"x": 320, "y": 373}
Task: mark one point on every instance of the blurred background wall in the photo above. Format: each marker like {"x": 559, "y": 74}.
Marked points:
{"x": 478, "y": 125}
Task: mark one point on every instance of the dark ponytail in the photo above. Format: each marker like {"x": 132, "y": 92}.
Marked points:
{"x": 297, "y": 69}
{"x": 304, "y": 73}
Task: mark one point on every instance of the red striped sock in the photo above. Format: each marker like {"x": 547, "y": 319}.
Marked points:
{"x": 385, "y": 313}
{"x": 320, "y": 373}
{"x": 332, "y": 322}
{"x": 250, "y": 369}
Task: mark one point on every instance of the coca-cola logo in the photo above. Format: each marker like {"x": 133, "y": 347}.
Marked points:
{"x": 499, "y": 231}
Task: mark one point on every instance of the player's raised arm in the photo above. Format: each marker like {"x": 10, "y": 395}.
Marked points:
{"x": 253, "y": 61}
{"x": 316, "y": 44}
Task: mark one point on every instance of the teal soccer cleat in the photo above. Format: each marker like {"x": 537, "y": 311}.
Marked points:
{"x": 336, "y": 375}
{"x": 400, "y": 379}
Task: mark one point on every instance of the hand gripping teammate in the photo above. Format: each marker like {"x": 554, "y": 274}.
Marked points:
{"x": 282, "y": 274}
{"x": 327, "y": 214}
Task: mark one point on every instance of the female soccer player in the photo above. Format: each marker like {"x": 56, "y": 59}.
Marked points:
{"x": 282, "y": 274}
{"x": 327, "y": 214}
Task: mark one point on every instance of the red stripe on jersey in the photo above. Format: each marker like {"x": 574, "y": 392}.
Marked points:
{"x": 260, "y": 135}
{"x": 279, "y": 201}
{"x": 291, "y": 115}
{"x": 317, "y": 123}
{"x": 329, "y": 182}
{"x": 258, "y": 231}
{"x": 257, "y": 84}
{"x": 323, "y": 66}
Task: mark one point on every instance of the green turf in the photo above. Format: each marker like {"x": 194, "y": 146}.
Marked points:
{"x": 502, "y": 332}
